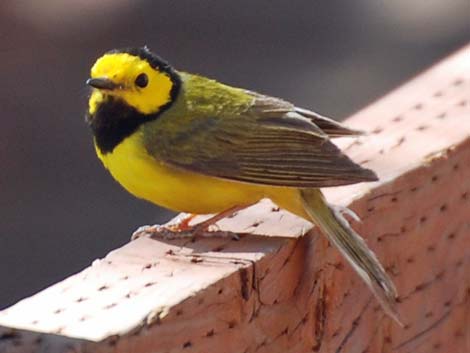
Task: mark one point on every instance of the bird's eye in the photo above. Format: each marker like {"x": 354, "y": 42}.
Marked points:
{"x": 142, "y": 80}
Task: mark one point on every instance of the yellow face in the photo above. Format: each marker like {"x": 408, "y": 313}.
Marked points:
{"x": 131, "y": 79}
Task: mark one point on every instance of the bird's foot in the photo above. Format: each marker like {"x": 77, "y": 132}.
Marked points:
{"x": 176, "y": 229}
{"x": 169, "y": 232}
{"x": 172, "y": 232}
{"x": 181, "y": 229}
{"x": 347, "y": 211}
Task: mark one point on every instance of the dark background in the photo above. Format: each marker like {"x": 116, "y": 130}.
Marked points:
{"x": 59, "y": 209}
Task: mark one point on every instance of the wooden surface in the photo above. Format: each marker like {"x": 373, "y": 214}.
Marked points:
{"x": 286, "y": 293}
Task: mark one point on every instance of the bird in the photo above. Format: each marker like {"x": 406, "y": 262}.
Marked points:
{"x": 191, "y": 144}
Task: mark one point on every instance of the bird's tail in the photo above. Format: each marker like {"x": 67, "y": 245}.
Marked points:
{"x": 353, "y": 247}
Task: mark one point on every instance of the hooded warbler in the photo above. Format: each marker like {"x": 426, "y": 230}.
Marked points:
{"x": 192, "y": 144}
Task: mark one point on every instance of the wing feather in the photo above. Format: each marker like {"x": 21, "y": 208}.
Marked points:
{"x": 331, "y": 127}
{"x": 271, "y": 143}
{"x": 275, "y": 107}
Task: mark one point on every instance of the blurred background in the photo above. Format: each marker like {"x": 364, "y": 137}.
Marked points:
{"x": 59, "y": 209}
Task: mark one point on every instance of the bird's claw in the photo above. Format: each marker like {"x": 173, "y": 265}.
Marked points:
{"x": 166, "y": 232}
{"x": 172, "y": 232}
{"x": 347, "y": 211}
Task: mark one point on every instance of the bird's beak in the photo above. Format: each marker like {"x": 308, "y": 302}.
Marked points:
{"x": 102, "y": 83}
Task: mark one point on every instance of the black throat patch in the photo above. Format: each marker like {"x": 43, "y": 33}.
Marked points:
{"x": 113, "y": 121}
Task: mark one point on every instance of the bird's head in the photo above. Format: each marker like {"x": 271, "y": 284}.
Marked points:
{"x": 134, "y": 76}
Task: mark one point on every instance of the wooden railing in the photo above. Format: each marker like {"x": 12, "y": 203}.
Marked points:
{"x": 277, "y": 291}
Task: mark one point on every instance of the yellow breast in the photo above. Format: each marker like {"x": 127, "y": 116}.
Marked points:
{"x": 176, "y": 189}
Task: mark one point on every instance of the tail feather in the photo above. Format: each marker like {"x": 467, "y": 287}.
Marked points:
{"x": 353, "y": 248}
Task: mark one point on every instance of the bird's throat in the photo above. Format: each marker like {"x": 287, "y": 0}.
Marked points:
{"x": 113, "y": 120}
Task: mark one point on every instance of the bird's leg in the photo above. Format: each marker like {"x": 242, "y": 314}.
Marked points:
{"x": 183, "y": 223}
{"x": 184, "y": 230}
{"x": 178, "y": 224}
{"x": 205, "y": 225}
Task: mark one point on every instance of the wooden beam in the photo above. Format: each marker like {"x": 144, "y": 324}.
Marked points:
{"x": 277, "y": 291}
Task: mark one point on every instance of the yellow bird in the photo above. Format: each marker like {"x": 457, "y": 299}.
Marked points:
{"x": 192, "y": 144}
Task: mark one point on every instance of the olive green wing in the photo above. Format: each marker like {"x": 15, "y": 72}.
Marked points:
{"x": 266, "y": 105}
{"x": 329, "y": 126}
{"x": 259, "y": 146}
